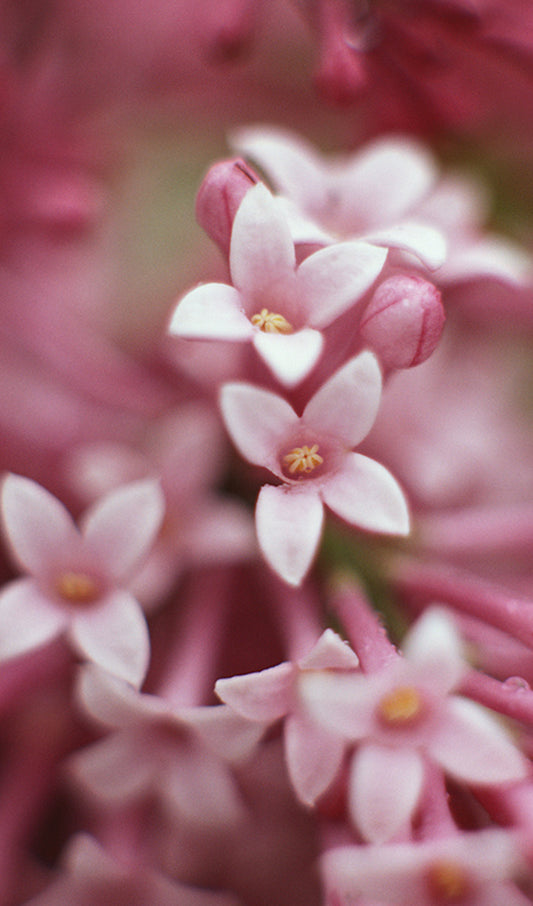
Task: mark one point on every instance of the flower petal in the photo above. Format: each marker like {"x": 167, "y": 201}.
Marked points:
{"x": 114, "y": 703}
{"x": 314, "y": 757}
{"x": 471, "y": 744}
{"x": 263, "y": 696}
{"x": 330, "y": 653}
{"x": 289, "y": 526}
{"x": 364, "y": 493}
{"x": 114, "y": 635}
{"x": 433, "y": 646}
{"x": 113, "y": 769}
{"x": 290, "y": 357}
{"x": 257, "y": 421}
{"x": 425, "y": 242}
{"x": 262, "y": 251}
{"x": 346, "y": 406}
{"x": 332, "y": 280}
{"x": 28, "y": 619}
{"x": 212, "y": 311}
{"x": 385, "y": 786}
{"x": 122, "y": 526}
{"x": 37, "y": 525}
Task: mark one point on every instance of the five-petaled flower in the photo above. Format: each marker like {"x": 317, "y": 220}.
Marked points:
{"x": 77, "y": 577}
{"x": 280, "y": 307}
{"x": 312, "y": 456}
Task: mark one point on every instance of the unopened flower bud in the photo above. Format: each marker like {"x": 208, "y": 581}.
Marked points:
{"x": 403, "y": 322}
{"x": 219, "y": 196}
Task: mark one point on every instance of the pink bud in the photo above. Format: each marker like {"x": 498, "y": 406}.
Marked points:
{"x": 223, "y": 188}
{"x": 403, "y": 322}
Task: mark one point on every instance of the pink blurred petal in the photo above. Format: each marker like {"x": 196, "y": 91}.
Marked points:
{"x": 290, "y": 357}
{"x": 263, "y": 696}
{"x": 364, "y": 493}
{"x": 27, "y": 618}
{"x": 256, "y": 420}
{"x": 314, "y": 757}
{"x": 199, "y": 789}
{"x": 112, "y": 769}
{"x": 114, "y": 635}
{"x": 346, "y": 406}
{"x": 113, "y": 702}
{"x": 212, "y": 311}
{"x": 385, "y": 786}
{"x": 289, "y": 527}
{"x": 37, "y": 525}
{"x": 425, "y": 242}
{"x": 434, "y": 647}
{"x": 121, "y": 527}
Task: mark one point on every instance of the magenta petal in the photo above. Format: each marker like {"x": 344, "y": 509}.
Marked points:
{"x": 290, "y": 357}
{"x": 212, "y": 311}
{"x": 257, "y": 422}
{"x": 122, "y": 526}
{"x": 346, "y": 406}
{"x": 334, "y": 279}
{"x": 262, "y": 250}
{"x": 263, "y": 696}
{"x": 114, "y": 635}
{"x": 364, "y": 493}
{"x": 27, "y": 618}
{"x": 37, "y": 525}
{"x": 314, "y": 757}
{"x": 385, "y": 786}
{"x": 289, "y": 526}
{"x": 471, "y": 744}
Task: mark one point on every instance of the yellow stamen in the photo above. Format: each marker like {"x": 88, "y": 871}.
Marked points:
{"x": 303, "y": 459}
{"x": 270, "y": 322}
{"x": 400, "y": 706}
{"x": 447, "y": 881}
{"x": 77, "y": 588}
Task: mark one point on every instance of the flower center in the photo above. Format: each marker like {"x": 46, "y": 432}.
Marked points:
{"x": 77, "y": 588}
{"x": 447, "y": 881}
{"x": 303, "y": 459}
{"x": 401, "y": 706}
{"x": 271, "y": 322}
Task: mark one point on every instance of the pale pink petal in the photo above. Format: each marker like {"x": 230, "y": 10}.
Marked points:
{"x": 293, "y": 166}
{"x": 257, "y": 422}
{"x": 492, "y": 257}
{"x": 196, "y": 787}
{"x": 114, "y": 635}
{"x": 346, "y": 406}
{"x": 219, "y": 531}
{"x": 290, "y": 357}
{"x": 342, "y": 703}
{"x": 113, "y": 769}
{"x": 263, "y": 696}
{"x": 425, "y": 242}
{"x": 224, "y": 732}
{"x": 114, "y": 703}
{"x": 38, "y": 527}
{"x": 332, "y": 280}
{"x": 433, "y": 646}
{"x": 212, "y": 311}
{"x": 314, "y": 757}
{"x": 330, "y": 653}
{"x": 262, "y": 251}
{"x": 28, "y": 618}
{"x": 472, "y": 745}
{"x": 385, "y": 786}
{"x": 383, "y": 874}
{"x": 365, "y": 494}
{"x": 289, "y": 527}
{"x": 121, "y": 527}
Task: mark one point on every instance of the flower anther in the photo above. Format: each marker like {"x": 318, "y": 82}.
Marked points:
{"x": 401, "y": 706}
{"x": 303, "y": 459}
{"x": 271, "y": 322}
{"x": 77, "y": 588}
{"x": 447, "y": 881}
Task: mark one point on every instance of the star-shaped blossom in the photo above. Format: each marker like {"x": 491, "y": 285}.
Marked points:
{"x": 405, "y": 714}
{"x": 280, "y": 307}
{"x": 313, "y": 755}
{"x": 466, "y": 869}
{"x": 77, "y": 582}
{"x": 181, "y": 756}
{"x": 312, "y": 456}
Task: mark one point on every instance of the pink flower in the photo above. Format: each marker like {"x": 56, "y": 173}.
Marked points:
{"x": 182, "y": 756}
{"x": 312, "y": 456}
{"x": 404, "y": 714}
{"x": 77, "y": 576}
{"x": 313, "y": 755}
{"x": 467, "y": 869}
{"x": 279, "y": 307}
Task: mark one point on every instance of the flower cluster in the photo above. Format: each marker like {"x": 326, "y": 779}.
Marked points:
{"x": 266, "y": 486}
